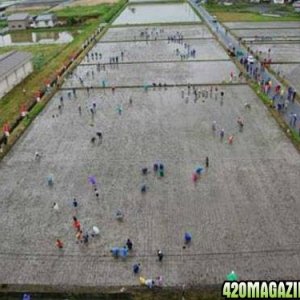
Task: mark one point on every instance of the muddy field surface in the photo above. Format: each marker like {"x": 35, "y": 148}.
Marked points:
{"x": 256, "y": 25}
{"x": 157, "y": 51}
{"x": 236, "y": 212}
{"x": 290, "y": 72}
{"x": 140, "y": 74}
{"x": 139, "y": 33}
{"x": 242, "y": 212}
{"x": 279, "y": 52}
{"x": 270, "y": 33}
{"x": 147, "y": 13}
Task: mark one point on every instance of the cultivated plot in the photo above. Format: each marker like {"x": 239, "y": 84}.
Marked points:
{"x": 158, "y": 51}
{"x": 270, "y": 33}
{"x": 290, "y": 72}
{"x": 278, "y": 52}
{"x": 162, "y": 32}
{"x": 260, "y": 25}
{"x": 237, "y": 212}
{"x": 139, "y": 74}
{"x": 147, "y": 13}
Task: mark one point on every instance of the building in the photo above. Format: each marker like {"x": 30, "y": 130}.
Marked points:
{"x": 14, "y": 67}
{"x": 42, "y": 21}
{"x": 296, "y": 6}
{"x": 19, "y": 21}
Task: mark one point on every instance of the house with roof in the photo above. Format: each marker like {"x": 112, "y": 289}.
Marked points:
{"x": 19, "y": 21}
{"x": 296, "y": 6}
{"x": 47, "y": 20}
{"x": 14, "y": 67}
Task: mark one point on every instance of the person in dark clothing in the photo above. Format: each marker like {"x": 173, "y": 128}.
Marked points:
{"x": 75, "y": 203}
{"x": 129, "y": 244}
{"x": 160, "y": 255}
{"x": 207, "y": 162}
{"x": 136, "y": 268}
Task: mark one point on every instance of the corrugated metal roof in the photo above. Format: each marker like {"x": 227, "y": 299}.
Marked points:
{"x": 46, "y": 17}
{"x": 11, "y": 61}
{"x": 18, "y": 17}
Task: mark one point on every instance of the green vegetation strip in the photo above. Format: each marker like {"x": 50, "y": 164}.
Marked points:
{"x": 250, "y": 12}
{"x": 83, "y": 11}
{"x": 251, "y": 17}
{"x": 3, "y": 23}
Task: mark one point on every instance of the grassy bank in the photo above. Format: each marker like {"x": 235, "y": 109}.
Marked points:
{"x": 84, "y": 11}
{"x": 252, "y": 12}
{"x": 250, "y": 17}
{"x": 3, "y": 24}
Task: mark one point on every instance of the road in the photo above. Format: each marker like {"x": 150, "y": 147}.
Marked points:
{"x": 230, "y": 42}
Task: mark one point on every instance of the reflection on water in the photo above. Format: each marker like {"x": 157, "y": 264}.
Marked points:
{"x": 157, "y": 13}
{"x": 27, "y": 38}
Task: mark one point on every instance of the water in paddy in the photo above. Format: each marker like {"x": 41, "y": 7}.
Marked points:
{"x": 157, "y": 13}
{"x": 31, "y": 38}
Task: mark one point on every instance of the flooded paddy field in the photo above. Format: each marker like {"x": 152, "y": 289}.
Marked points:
{"x": 277, "y": 41}
{"x": 270, "y": 33}
{"x": 280, "y": 52}
{"x": 147, "y": 13}
{"x": 290, "y": 72}
{"x": 138, "y": 33}
{"x": 159, "y": 125}
{"x": 125, "y": 74}
{"x": 261, "y": 25}
{"x": 161, "y": 50}
{"x": 242, "y": 211}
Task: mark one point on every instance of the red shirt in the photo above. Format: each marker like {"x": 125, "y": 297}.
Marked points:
{"x": 59, "y": 244}
{"x": 76, "y": 224}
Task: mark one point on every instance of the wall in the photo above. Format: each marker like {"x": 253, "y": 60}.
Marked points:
{"x": 42, "y": 24}
{"x": 14, "y": 78}
{"x": 18, "y": 25}
{"x": 3, "y": 87}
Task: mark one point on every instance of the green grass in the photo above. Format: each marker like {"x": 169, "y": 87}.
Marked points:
{"x": 84, "y": 11}
{"x": 250, "y": 13}
{"x": 251, "y": 17}
{"x": 32, "y": 12}
{"x": 3, "y": 24}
